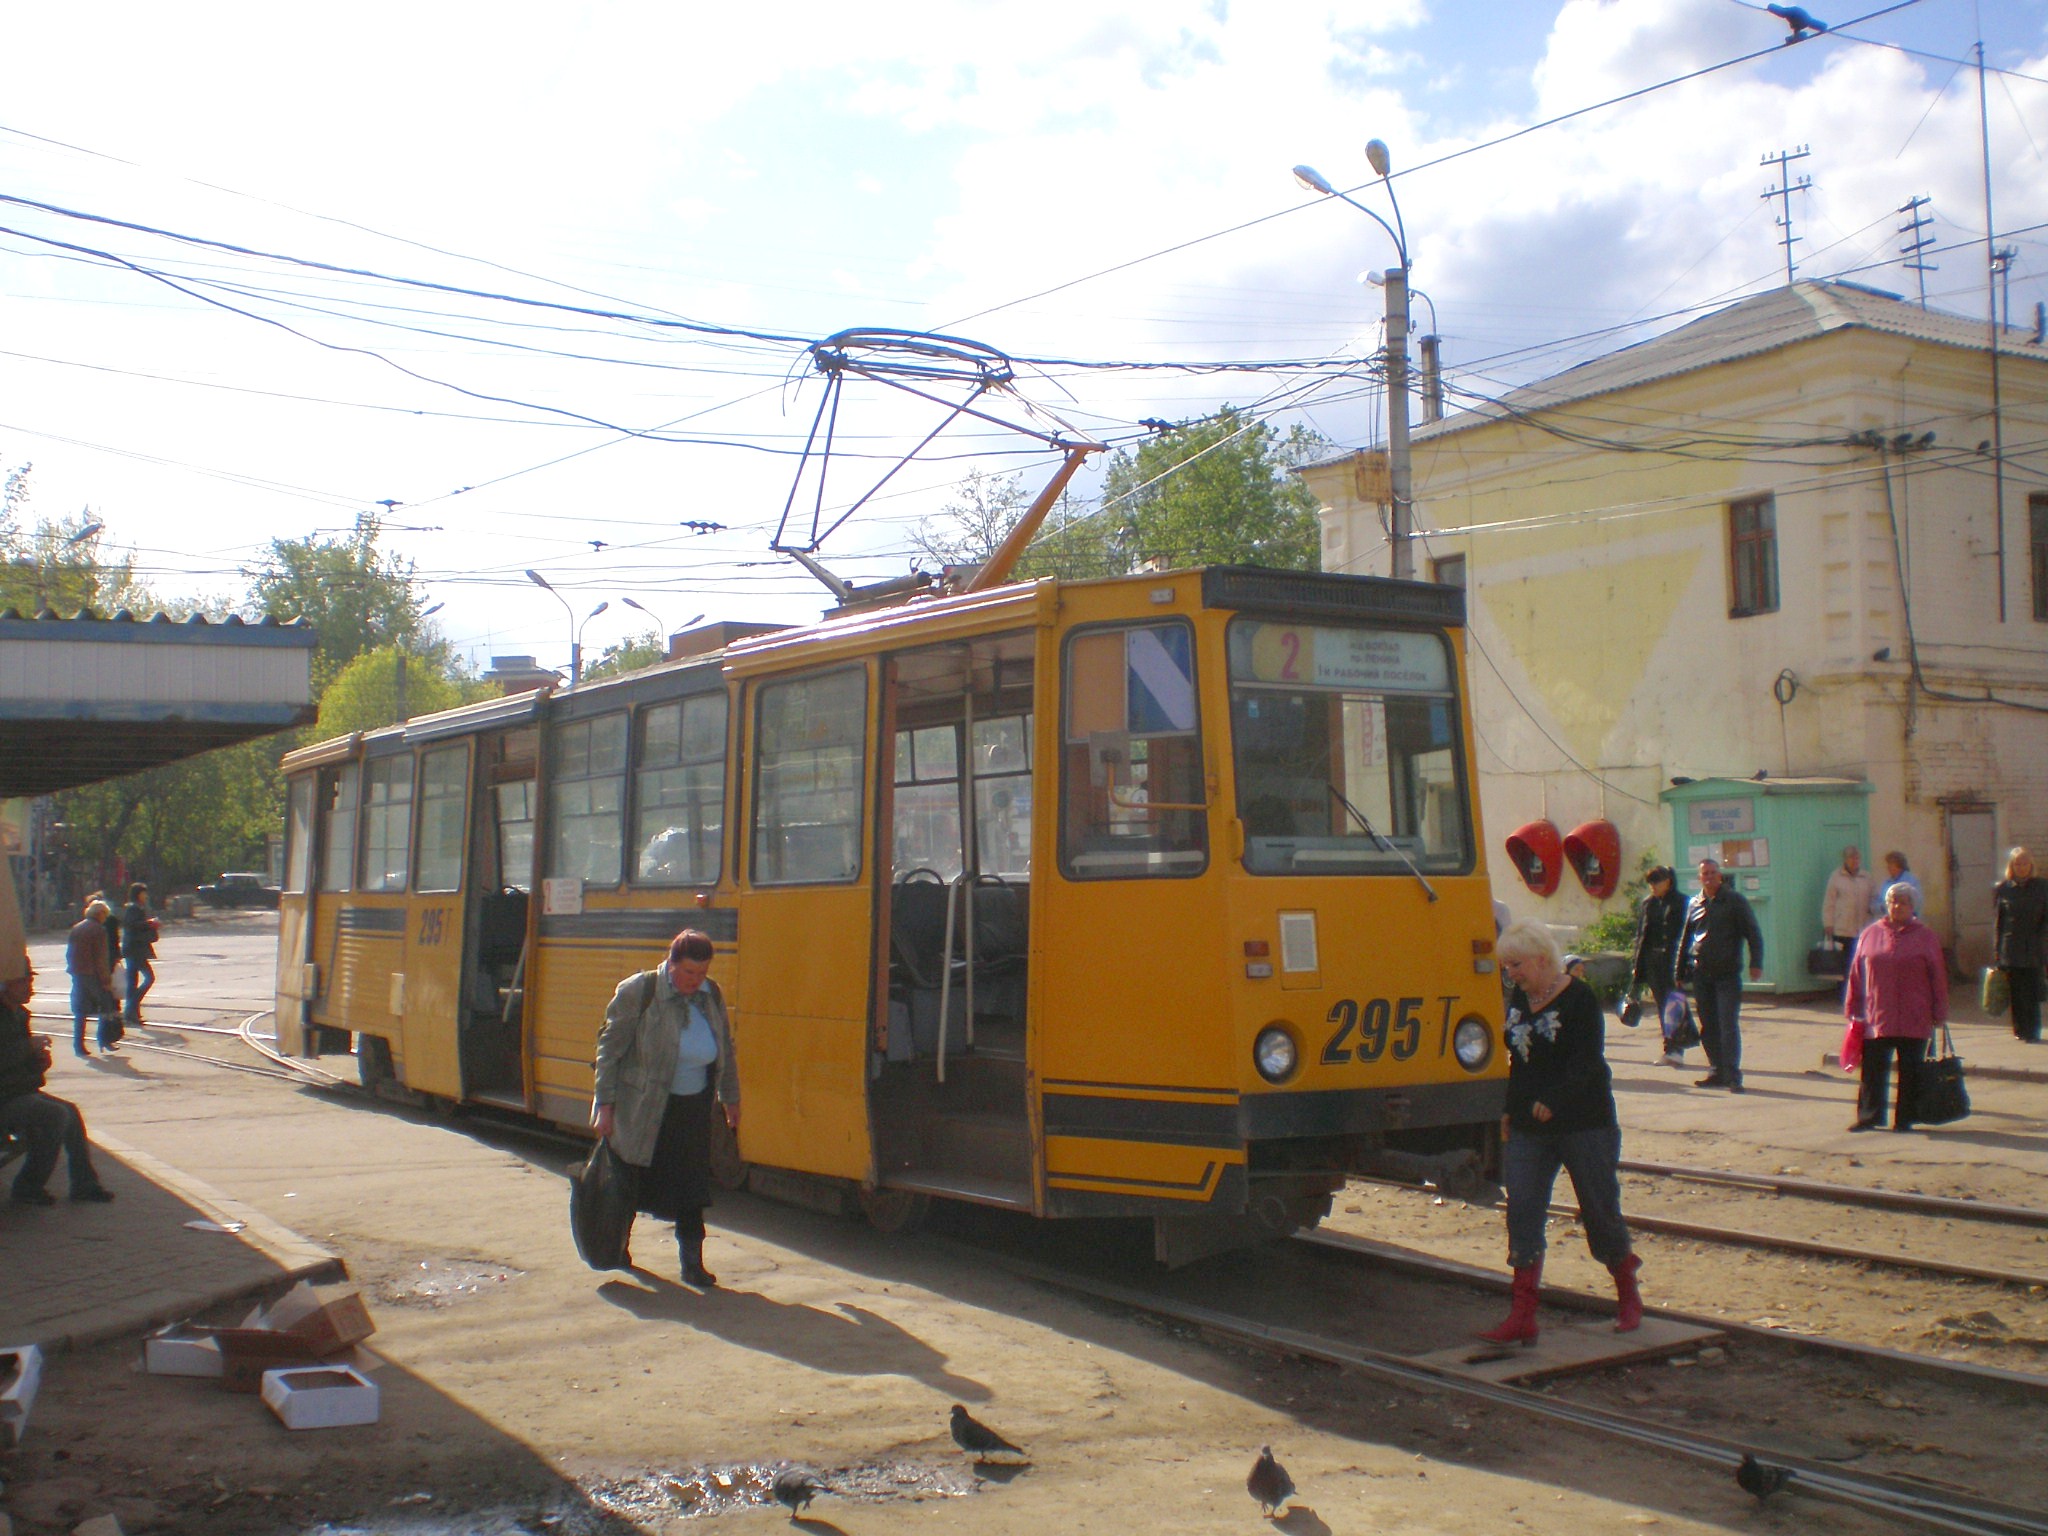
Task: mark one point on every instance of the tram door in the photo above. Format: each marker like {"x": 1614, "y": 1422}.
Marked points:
{"x": 497, "y": 943}
{"x": 432, "y": 966}
{"x": 806, "y": 920}
{"x": 953, "y": 901}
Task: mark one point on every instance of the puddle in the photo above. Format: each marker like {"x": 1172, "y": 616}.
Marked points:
{"x": 438, "y": 1282}
{"x": 718, "y": 1490}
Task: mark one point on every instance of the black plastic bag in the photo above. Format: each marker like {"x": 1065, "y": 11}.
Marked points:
{"x": 604, "y": 1194}
{"x": 1942, "y": 1096}
{"x": 1681, "y": 1029}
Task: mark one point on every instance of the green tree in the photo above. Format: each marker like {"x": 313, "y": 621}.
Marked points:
{"x": 970, "y": 528}
{"x": 628, "y": 655}
{"x": 364, "y": 695}
{"x": 61, "y": 564}
{"x": 1215, "y": 491}
{"x": 356, "y": 596}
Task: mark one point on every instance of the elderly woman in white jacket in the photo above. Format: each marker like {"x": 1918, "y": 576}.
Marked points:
{"x": 663, "y": 1057}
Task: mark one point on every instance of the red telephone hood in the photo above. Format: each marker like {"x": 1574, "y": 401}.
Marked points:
{"x": 1593, "y": 850}
{"x": 1537, "y": 853}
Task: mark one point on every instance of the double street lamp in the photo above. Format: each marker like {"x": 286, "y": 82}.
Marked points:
{"x": 575, "y": 628}
{"x": 1401, "y": 535}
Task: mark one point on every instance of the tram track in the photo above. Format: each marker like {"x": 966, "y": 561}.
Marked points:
{"x": 1905, "y": 1497}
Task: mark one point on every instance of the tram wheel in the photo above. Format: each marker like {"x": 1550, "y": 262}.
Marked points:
{"x": 728, "y": 1168}
{"x": 373, "y": 1061}
{"x": 894, "y": 1210}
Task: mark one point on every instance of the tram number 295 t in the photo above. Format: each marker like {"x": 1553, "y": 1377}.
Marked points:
{"x": 1383, "y": 1025}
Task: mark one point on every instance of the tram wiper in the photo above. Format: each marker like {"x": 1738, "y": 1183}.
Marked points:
{"x": 1385, "y": 842}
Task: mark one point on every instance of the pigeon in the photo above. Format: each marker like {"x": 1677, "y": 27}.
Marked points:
{"x": 1269, "y": 1483}
{"x": 1799, "y": 19}
{"x": 1761, "y": 1477}
{"x": 795, "y": 1488}
{"x": 977, "y": 1439}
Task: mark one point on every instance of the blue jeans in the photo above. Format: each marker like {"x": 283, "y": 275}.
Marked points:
{"x": 49, "y": 1126}
{"x": 1720, "y": 1007}
{"x": 1530, "y": 1161}
{"x": 141, "y": 977}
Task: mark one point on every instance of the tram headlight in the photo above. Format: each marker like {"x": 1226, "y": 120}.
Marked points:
{"x": 1473, "y": 1042}
{"x": 1275, "y": 1054}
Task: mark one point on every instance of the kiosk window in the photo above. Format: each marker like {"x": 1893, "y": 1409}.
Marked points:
{"x": 1131, "y": 771}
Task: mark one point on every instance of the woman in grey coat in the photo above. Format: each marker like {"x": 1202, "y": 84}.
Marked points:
{"x": 663, "y": 1056}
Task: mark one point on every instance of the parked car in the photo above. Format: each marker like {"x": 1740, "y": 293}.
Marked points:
{"x": 240, "y": 890}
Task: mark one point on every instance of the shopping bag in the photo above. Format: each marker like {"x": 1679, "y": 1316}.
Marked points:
{"x": 1631, "y": 1011}
{"x": 603, "y": 1196}
{"x": 1681, "y": 1031}
{"x": 1942, "y": 1096}
{"x": 1996, "y": 990}
{"x": 1852, "y": 1046}
{"x": 1827, "y": 961}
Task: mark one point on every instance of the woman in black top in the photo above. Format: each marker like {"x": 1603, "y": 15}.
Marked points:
{"x": 2020, "y": 939}
{"x": 1657, "y": 930}
{"x": 1560, "y": 1114}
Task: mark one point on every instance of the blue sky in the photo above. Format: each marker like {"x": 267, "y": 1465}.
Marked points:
{"x": 811, "y": 168}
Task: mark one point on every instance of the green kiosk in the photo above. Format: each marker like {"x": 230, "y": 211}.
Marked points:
{"x": 1777, "y": 841}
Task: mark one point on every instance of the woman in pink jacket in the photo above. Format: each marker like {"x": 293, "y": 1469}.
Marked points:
{"x": 1897, "y": 996}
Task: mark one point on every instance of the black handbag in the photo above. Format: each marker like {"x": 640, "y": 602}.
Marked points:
{"x": 604, "y": 1194}
{"x": 1827, "y": 960}
{"x": 1683, "y": 1033}
{"x": 1941, "y": 1096}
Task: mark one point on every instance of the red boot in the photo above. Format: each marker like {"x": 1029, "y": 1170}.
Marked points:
{"x": 1520, "y": 1326}
{"x": 1628, "y": 1309}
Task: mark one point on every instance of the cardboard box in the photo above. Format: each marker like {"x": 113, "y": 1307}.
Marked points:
{"x": 320, "y": 1396}
{"x": 21, "y": 1372}
{"x": 178, "y": 1351}
{"x": 309, "y": 1323}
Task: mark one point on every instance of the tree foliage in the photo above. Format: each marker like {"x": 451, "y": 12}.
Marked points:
{"x": 356, "y": 595}
{"x": 972, "y": 526}
{"x": 628, "y": 655}
{"x": 1216, "y": 491}
{"x": 364, "y": 694}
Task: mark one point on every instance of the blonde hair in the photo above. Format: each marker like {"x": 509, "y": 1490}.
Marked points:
{"x": 2013, "y": 860}
{"x": 98, "y": 910}
{"x": 1529, "y": 940}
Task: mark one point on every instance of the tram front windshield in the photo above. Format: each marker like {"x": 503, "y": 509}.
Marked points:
{"x": 1346, "y": 741}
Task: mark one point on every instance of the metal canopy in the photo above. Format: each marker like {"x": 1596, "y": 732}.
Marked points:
{"x": 84, "y": 699}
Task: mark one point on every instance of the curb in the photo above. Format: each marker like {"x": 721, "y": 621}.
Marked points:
{"x": 296, "y": 1257}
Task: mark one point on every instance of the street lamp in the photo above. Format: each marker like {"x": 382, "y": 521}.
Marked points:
{"x": 1396, "y": 283}
{"x": 575, "y": 652}
{"x": 44, "y": 572}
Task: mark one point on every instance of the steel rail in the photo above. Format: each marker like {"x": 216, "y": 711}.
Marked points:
{"x": 206, "y": 1061}
{"x": 1847, "y": 1194}
{"x": 1737, "y": 1237}
{"x": 319, "y": 1077}
{"x": 1965, "y": 1515}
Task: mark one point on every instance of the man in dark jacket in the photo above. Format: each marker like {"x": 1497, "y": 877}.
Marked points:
{"x": 1718, "y": 922}
{"x": 1657, "y": 930}
{"x": 138, "y": 948}
{"x": 48, "y": 1125}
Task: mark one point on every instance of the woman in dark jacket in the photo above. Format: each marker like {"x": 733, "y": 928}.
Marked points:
{"x": 111, "y": 1029}
{"x": 1560, "y": 1114}
{"x": 2020, "y": 939}
{"x": 1657, "y": 930}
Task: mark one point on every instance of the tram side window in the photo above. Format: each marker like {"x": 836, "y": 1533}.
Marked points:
{"x": 515, "y": 834}
{"x": 1131, "y": 770}
{"x": 928, "y": 832}
{"x": 1002, "y": 796}
{"x": 298, "y": 821}
{"x": 679, "y": 792}
{"x": 387, "y": 823}
{"x": 444, "y": 783}
{"x": 810, "y": 742}
{"x": 587, "y": 801}
{"x": 339, "y": 792}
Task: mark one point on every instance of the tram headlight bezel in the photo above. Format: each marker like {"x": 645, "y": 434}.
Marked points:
{"x": 1472, "y": 1043}
{"x": 1276, "y": 1054}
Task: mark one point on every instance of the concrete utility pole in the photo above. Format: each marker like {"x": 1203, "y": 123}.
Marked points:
{"x": 1400, "y": 472}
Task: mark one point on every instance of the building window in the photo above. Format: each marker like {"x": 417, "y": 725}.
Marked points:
{"x": 1448, "y": 571}
{"x": 2037, "y": 533}
{"x": 1753, "y": 557}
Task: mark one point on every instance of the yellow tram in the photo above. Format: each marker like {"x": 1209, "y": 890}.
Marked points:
{"x": 1157, "y": 896}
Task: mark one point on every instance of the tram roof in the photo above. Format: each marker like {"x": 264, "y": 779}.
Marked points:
{"x": 86, "y": 698}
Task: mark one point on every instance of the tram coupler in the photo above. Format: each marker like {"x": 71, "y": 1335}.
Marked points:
{"x": 1458, "y": 1175}
{"x": 1178, "y": 1240}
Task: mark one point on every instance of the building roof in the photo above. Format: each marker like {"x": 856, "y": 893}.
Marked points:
{"x": 1764, "y": 323}
{"x": 85, "y": 698}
